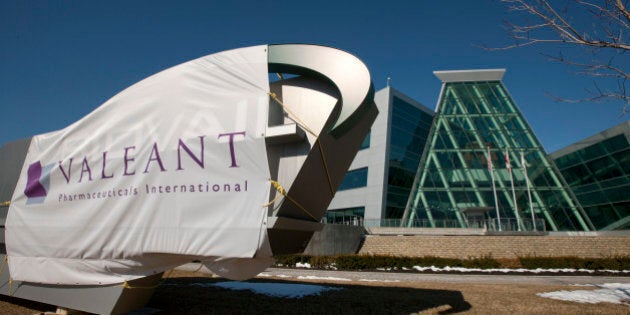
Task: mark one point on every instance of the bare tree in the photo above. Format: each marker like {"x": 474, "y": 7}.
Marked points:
{"x": 600, "y": 27}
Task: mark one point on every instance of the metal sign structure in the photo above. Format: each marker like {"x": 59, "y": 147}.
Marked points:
{"x": 315, "y": 123}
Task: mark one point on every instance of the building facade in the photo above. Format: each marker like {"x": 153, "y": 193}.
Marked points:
{"x": 376, "y": 187}
{"x": 475, "y": 162}
{"x": 598, "y": 171}
{"x": 483, "y": 160}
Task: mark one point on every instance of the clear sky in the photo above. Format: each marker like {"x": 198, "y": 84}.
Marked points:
{"x": 59, "y": 60}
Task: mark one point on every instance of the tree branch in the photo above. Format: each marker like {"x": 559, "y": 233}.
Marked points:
{"x": 606, "y": 36}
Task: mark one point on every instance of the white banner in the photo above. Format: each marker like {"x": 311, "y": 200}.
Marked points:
{"x": 174, "y": 168}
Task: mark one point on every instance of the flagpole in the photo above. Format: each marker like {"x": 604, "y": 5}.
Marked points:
{"x": 529, "y": 193}
{"x": 494, "y": 188}
{"x": 509, "y": 169}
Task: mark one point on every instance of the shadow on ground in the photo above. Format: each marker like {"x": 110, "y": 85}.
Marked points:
{"x": 196, "y": 296}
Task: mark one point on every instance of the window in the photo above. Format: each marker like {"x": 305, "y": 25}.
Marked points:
{"x": 354, "y": 179}
{"x": 346, "y": 216}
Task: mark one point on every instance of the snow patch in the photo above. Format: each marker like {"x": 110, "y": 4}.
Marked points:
{"x": 506, "y": 270}
{"x": 303, "y": 265}
{"x": 374, "y": 280}
{"x": 322, "y": 278}
{"x": 266, "y": 275}
{"x": 617, "y": 293}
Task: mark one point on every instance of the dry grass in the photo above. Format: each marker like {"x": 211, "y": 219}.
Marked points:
{"x": 179, "y": 295}
{"x": 11, "y": 305}
{"x": 372, "y": 298}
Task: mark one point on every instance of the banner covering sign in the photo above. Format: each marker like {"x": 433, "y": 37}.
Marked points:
{"x": 172, "y": 169}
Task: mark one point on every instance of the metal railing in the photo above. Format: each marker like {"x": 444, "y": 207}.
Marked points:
{"x": 419, "y": 223}
{"x": 344, "y": 220}
{"x": 510, "y": 225}
{"x": 506, "y": 225}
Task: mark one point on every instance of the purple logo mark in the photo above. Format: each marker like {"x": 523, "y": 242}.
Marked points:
{"x": 37, "y": 183}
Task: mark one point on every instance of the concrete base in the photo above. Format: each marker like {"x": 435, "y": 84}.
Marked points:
{"x": 109, "y": 299}
{"x": 336, "y": 239}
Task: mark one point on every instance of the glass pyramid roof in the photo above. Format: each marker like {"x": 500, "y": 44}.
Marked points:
{"x": 482, "y": 164}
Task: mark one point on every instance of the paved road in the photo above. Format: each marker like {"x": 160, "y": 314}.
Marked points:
{"x": 299, "y": 274}
{"x": 446, "y": 278}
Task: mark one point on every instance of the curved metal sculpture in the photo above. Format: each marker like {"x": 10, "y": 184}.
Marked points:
{"x": 345, "y": 71}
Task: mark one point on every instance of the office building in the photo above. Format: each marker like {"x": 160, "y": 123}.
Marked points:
{"x": 598, "y": 171}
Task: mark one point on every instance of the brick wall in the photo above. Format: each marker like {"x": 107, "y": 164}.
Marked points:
{"x": 496, "y": 246}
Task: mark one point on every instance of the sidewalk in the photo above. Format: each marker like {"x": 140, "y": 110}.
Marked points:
{"x": 312, "y": 274}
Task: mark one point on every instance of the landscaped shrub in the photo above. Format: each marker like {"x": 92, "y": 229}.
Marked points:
{"x": 607, "y": 263}
{"x": 291, "y": 260}
{"x": 511, "y": 263}
{"x": 322, "y": 262}
{"x": 484, "y": 262}
{"x": 534, "y": 262}
{"x": 613, "y": 263}
{"x": 358, "y": 262}
{"x": 374, "y": 262}
{"x": 428, "y": 261}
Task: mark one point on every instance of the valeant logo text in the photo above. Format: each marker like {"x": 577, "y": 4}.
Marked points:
{"x": 38, "y": 182}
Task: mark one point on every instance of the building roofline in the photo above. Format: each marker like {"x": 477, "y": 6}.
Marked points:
{"x": 392, "y": 91}
{"x": 470, "y": 75}
{"x": 622, "y": 128}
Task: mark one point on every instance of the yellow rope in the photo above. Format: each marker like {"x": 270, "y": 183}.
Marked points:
{"x": 281, "y": 190}
{"x": 168, "y": 274}
{"x": 5, "y": 262}
{"x": 126, "y": 285}
{"x": 321, "y": 150}
{"x": 272, "y": 201}
{"x": 319, "y": 144}
{"x": 5, "y": 203}
{"x": 295, "y": 117}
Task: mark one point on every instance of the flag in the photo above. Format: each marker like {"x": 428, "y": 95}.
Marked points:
{"x": 494, "y": 189}
{"x": 507, "y": 161}
{"x": 529, "y": 192}
{"x": 508, "y": 165}
{"x": 489, "y": 159}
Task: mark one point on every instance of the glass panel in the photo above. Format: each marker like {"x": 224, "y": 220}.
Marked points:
{"x": 346, "y": 215}
{"x": 602, "y": 182}
{"x": 568, "y": 160}
{"x": 409, "y": 132}
{"x": 400, "y": 177}
{"x": 615, "y": 183}
{"x": 354, "y": 179}
{"x": 473, "y": 116}
{"x": 578, "y": 175}
{"x": 618, "y": 194}
{"x": 616, "y": 143}
{"x": 623, "y": 158}
{"x": 593, "y": 198}
{"x": 604, "y": 168}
